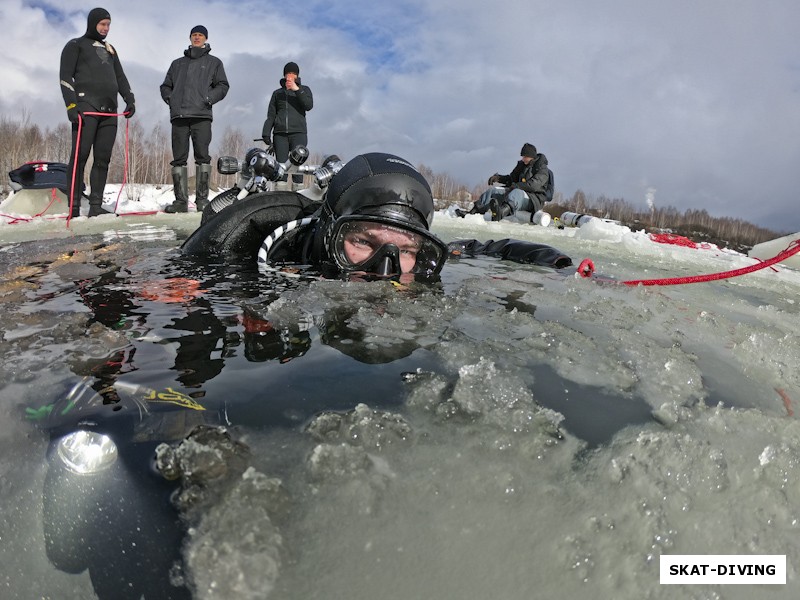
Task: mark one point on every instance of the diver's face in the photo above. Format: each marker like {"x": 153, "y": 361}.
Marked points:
{"x": 103, "y": 27}
{"x": 362, "y": 243}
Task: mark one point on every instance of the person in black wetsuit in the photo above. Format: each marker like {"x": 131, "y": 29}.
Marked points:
{"x": 91, "y": 78}
{"x": 374, "y": 222}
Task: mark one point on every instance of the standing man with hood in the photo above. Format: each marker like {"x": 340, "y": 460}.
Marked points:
{"x": 285, "y": 128}
{"x": 91, "y": 78}
{"x": 194, "y": 83}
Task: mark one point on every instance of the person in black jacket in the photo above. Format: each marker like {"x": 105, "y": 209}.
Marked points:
{"x": 285, "y": 127}
{"x": 525, "y": 187}
{"x": 91, "y": 78}
{"x": 373, "y": 224}
{"x": 194, "y": 83}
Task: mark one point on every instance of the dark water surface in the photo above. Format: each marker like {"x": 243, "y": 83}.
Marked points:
{"x": 354, "y": 428}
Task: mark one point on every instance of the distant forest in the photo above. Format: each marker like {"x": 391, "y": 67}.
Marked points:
{"x": 149, "y": 155}
{"x": 697, "y": 225}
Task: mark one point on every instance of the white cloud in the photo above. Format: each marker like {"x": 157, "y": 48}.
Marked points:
{"x": 696, "y": 99}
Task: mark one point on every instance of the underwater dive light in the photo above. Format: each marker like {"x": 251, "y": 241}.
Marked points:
{"x": 86, "y": 452}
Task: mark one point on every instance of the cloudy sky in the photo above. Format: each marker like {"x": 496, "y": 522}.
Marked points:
{"x": 696, "y": 102}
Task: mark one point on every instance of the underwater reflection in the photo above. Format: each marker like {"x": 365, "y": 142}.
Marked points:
{"x": 168, "y": 336}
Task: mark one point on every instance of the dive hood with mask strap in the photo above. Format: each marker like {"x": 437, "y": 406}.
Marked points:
{"x": 383, "y": 202}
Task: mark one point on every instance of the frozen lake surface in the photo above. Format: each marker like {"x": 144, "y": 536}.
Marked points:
{"x": 513, "y": 432}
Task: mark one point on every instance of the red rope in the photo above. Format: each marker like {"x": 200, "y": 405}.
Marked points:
{"x": 53, "y": 198}
{"x": 77, "y": 154}
{"x": 678, "y": 240}
{"x": 12, "y": 220}
{"x": 75, "y": 159}
{"x": 125, "y": 168}
{"x": 586, "y": 269}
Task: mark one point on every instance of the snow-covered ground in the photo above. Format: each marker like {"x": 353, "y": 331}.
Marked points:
{"x": 517, "y": 463}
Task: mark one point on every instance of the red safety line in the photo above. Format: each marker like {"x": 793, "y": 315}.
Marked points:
{"x": 77, "y": 154}
{"x": 125, "y": 168}
{"x": 75, "y": 159}
{"x": 15, "y": 220}
{"x": 586, "y": 269}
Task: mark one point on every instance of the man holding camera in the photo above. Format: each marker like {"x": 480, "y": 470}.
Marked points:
{"x": 285, "y": 127}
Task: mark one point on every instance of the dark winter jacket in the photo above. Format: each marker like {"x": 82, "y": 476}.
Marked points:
{"x": 287, "y": 110}
{"x": 92, "y": 76}
{"x": 194, "y": 83}
{"x": 531, "y": 178}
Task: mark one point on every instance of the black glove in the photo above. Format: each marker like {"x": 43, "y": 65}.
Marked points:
{"x": 130, "y": 108}
{"x": 267, "y": 141}
{"x": 494, "y": 179}
{"x": 72, "y": 113}
{"x": 208, "y": 103}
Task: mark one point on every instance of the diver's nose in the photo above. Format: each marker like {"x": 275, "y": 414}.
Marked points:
{"x": 390, "y": 262}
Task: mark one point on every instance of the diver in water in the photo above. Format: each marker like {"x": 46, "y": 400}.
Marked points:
{"x": 374, "y": 223}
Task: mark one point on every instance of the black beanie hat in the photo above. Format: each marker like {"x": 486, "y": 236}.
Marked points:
{"x": 291, "y": 67}
{"x": 528, "y": 150}
{"x": 95, "y": 16}
{"x": 199, "y": 29}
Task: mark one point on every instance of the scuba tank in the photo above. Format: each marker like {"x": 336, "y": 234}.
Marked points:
{"x": 572, "y": 219}
{"x": 542, "y": 218}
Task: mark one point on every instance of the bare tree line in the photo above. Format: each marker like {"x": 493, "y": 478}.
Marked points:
{"x": 694, "y": 223}
{"x": 143, "y": 157}
{"x": 139, "y": 156}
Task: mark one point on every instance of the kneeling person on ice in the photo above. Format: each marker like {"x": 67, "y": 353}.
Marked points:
{"x": 527, "y": 187}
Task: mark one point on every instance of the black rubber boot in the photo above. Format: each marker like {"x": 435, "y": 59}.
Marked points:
{"x": 78, "y": 194}
{"x": 297, "y": 181}
{"x": 96, "y": 207}
{"x": 463, "y": 213}
{"x": 500, "y": 209}
{"x": 201, "y": 188}
{"x": 95, "y": 210}
{"x": 283, "y": 184}
{"x": 180, "y": 183}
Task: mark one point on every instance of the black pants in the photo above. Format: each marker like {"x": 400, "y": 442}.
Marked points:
{"x": 285, "y": 142}
{"x": 199, "y": 131}
{"x": 97, "y": 137}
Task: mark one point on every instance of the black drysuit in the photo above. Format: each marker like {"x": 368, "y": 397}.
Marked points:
{"x": 91, "y": 78}
{"x": 239, "y": 230}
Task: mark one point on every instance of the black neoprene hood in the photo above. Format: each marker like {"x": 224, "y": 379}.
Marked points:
{"x": 381, "y": 184}
{"x": 95, "y": 16}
